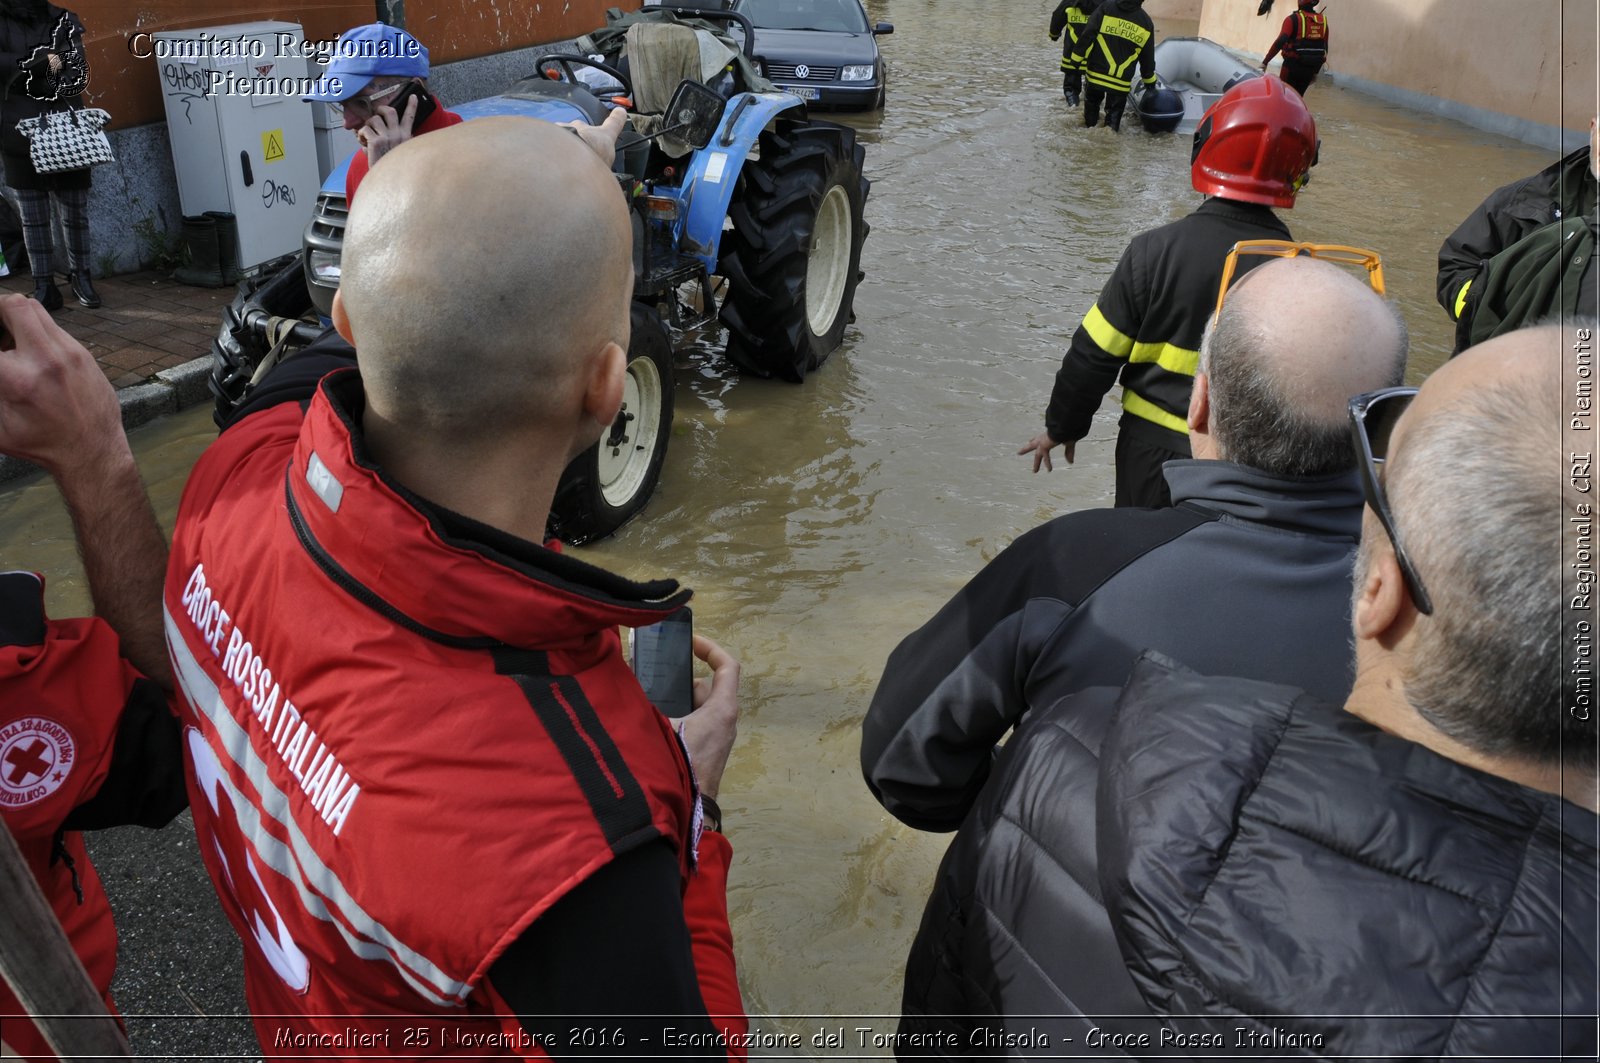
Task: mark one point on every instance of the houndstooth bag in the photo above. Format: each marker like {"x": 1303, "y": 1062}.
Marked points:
{"x": 67, "y": 140}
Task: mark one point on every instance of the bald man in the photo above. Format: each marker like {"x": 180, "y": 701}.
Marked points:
{"x": 437, "y": 807}
{"x": 1247, "y": 574}
{"x": 1421, "y": 866}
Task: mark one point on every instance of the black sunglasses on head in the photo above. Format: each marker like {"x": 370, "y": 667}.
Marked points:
{"x": 1372, "y": 420}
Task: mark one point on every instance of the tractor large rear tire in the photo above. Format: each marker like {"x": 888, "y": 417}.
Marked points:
{"x": 612, "y": 480}
{"x": 793, "y": 255}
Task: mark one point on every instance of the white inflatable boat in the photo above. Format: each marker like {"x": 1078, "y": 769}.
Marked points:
{"x": 1198, "y": 71}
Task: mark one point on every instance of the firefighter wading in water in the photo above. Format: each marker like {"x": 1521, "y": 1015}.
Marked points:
{"x": 1072, "y": 16}
{"x": 1116, "y": 36}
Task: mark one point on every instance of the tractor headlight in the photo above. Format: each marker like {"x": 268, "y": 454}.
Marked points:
{"x": 325, "y": 267}
{"x": 856, "y": 73}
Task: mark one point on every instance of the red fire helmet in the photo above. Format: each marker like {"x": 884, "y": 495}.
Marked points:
{"x": 1256, "y": 144}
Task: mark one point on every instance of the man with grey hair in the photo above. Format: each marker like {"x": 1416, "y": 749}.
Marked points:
{"x": 1248, "y": 573}
{"x": 1416, "y": 874}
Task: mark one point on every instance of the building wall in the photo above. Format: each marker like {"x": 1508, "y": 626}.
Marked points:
{"x": 1183, "y": 10}
{"x": 1532, "y": 62}
{"x": 475, "y": 50}
{"x": 466, "y": 29}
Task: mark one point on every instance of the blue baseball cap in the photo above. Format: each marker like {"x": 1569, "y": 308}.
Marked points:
{"x": 366, "y": 52}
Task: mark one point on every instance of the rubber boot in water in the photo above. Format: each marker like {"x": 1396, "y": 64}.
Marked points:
{"x": 45, "y": 290}
{"x": 83, "y": 288}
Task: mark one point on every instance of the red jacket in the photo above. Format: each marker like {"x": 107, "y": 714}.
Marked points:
{"x": 357, "y": 171}
{"x": 404, "y": 749}
{"x": 1304, "y": 38}
{"x": 63, "y": 687}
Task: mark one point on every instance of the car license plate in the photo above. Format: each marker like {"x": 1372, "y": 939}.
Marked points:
{"x": 803, "y": 93}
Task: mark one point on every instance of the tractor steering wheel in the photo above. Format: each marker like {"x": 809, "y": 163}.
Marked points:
{"x": 565, "y": 61}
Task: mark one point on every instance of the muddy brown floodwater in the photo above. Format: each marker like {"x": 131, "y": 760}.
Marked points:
{"x": 819, "y": 524}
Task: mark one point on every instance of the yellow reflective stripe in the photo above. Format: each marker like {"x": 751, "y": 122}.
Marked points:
{"x": 1151, "y": 412}
{"x": 1169, "y": 357}
{"x": 1095, "y": 77}
{"x": 1105, "y": 334}
{"x": 1122, "y": 70}
{"x": 1461, "y": 299}
{"x": 1105, "y": 49}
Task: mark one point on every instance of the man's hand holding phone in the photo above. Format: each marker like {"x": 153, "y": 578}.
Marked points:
{"x": 707, "y": 709}
{"x": 392, "y": 124}
{"x": 708, "y": 732}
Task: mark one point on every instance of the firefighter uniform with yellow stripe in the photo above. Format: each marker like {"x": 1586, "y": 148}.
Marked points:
{"x": 1071, "y": 16}
{"x": 1118, "y": 35}
{"x": 1146, "y": 329}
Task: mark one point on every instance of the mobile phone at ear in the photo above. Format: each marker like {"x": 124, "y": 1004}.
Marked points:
{"x": 426, "y": 104}
{"x": 663, "y": 660}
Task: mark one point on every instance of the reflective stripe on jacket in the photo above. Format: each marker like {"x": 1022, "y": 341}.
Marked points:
{"x": 1146, "y": 326}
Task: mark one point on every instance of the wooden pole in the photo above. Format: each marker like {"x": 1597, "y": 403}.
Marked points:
{"x": 39, "y": 964}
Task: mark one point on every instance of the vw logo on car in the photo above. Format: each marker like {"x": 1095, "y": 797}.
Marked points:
{"x": 802, "y": 71}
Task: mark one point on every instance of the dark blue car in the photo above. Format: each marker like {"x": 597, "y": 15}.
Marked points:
{"x": 825, "y": 51}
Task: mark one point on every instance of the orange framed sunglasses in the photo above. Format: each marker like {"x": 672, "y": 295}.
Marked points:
{"x": 1342, "y": 254}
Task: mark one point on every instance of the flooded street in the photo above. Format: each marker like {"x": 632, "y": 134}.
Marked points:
{"x": 818, "y": 524}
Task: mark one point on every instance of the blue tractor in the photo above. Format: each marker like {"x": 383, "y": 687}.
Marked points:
{"x": 753, "y": 220}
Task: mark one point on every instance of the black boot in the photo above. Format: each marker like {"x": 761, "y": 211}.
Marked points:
{"x": 1072, "y": 98}
{"x": 204, "y": 268}
{"x": 227, "y": 244}
{"x": 45, "y": 290}
{"x": 83, "y": 288}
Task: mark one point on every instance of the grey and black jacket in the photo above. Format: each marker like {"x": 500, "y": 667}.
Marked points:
{"x": 1247, "y": 574}
{"x": 1240, "y": 869}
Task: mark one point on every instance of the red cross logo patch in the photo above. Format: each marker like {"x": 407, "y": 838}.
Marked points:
{"x": 36, "y": 756}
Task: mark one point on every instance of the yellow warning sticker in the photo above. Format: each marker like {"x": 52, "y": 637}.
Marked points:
{"x": 272, "y": 145}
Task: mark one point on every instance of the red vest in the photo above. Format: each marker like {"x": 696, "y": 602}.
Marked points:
{"x": 402, "y": 750}
{"x": 1310, "y": 37}
{"x": 63, "y": 684}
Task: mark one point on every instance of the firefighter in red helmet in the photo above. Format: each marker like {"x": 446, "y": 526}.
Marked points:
{"x": 1304, "y": 44}
{"x": 1252, "y": 151}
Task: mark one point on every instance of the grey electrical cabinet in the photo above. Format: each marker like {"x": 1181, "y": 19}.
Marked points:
{"x": 241, "y": 135}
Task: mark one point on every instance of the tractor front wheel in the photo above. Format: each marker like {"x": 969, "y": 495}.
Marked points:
{"x": 793, "y": 255}
{"x": 612, "y": 480}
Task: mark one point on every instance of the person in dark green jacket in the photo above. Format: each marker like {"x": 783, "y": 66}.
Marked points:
{"x": 1563, "y": 189}
{"x": 1116, "y": 36}
{"x": 1071, "y": 16}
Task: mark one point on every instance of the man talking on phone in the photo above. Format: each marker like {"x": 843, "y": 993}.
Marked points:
{"x": 378, "y": 82}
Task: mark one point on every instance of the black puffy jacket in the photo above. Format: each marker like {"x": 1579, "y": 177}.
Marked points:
{"x": 1247, "y": 864}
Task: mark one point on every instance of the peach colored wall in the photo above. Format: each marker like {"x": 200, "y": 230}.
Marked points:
{"x": 1188, "y": 10}
{"x": 1531, "y": 59}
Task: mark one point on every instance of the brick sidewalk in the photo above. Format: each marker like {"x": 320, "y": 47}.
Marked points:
{"x": 149, "y": 322}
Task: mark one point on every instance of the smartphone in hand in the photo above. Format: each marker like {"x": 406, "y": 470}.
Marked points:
{"x": 663, "y": 660}
{"x": 425, "y": 104}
